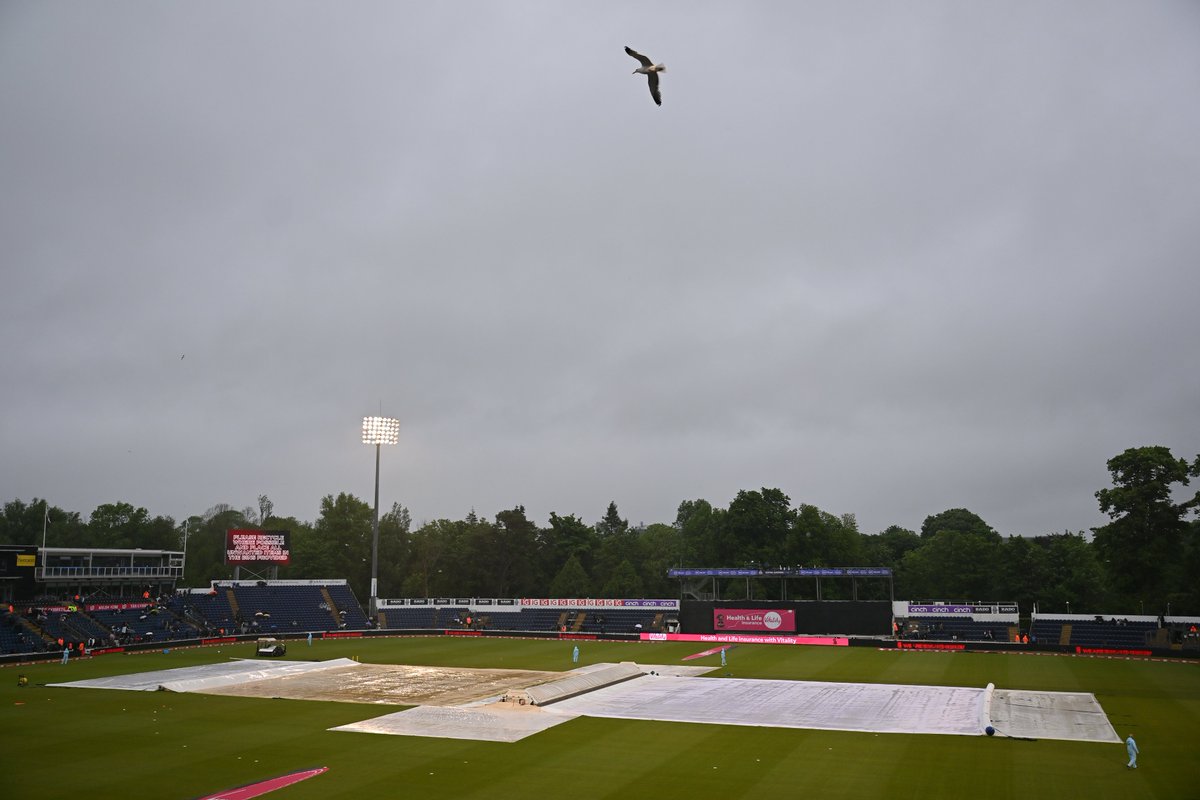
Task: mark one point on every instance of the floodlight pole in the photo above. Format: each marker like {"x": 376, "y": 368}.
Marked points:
{"x": 45, "y": 523}
{"x": 375, "y": 537}
{"x": 377, "y": 431}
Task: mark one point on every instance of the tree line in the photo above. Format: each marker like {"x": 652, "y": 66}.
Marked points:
{"x": 1144, "y": 560}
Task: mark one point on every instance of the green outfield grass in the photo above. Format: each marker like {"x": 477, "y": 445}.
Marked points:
{"x": 82, "y": 743}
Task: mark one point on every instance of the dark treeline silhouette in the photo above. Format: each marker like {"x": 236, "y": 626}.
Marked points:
{"x": 1143, "y": 561}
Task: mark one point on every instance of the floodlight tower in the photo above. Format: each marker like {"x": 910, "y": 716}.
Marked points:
{"x": 378, "y": 431}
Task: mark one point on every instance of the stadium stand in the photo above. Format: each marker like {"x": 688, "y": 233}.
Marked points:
{"x": 343, "y": 600}
{"x": 15, "y": 637}
{"x": 1098, "y": 631}
{"x": 271, "y": 607}
{"x": 149, "y": 623}
{"x": 955, "y": 629}
{"x": 209, "y": 612}
{"x": 622, "y": 621}
{"x": 451, "y": 616}
{"x": 73, "y": 626}
{"x": 526, "y": 619}
{"x": 537, "y": 619}
{"x": 407, "y": 617}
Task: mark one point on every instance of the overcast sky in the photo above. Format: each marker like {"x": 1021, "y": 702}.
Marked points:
{"x": 891, "y": 258}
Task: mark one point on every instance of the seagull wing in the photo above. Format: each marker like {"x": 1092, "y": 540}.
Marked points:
{"x": 645, "y": 61}
{"x": 653, "y": 77}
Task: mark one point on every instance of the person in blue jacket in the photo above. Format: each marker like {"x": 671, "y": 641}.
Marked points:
{"x": 1132, "y": 747}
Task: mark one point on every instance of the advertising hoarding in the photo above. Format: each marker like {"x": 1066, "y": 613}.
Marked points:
{"x": 767, "y": 620}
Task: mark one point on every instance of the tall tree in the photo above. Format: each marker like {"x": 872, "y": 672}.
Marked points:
{"x": 952, "y": 565}
{"x": 959, "y": 520}
{"x": 571, "y": 581}
{"x": 205, "y": 553}
{"x": 1141, "y": 547}
{"x": 658, "y": 548}
{"x": 836, "y": 541}
{"x": 342, "y": 542}
{"x": 431, "y": 547}
{"x": 1187, "y": 599}
{"x": 569, "y": 536}
{"x": 612, "y": 524}
{"x": 759, "y": 523}
{"x": 394, "y": 546}
{"x": 617, "y": 543}
{"x": 510, "y": 555}
{"x": 886, "y": 549}
{"x": 701, "y": 533}
{"x": 1069, "y": 572}
{"x": 24, "y": 523}
{"x": 624, "y": 582}
{"x": 121, "y": 526}
{"x": 265, "y": 509}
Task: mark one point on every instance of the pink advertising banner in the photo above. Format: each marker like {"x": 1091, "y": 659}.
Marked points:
{"x": 763, "y": 620}
{"x": 744, "y": 638}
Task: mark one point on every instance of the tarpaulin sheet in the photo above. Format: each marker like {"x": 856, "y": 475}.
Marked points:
{"x": 879, "y": 708}
{"x": 477, "y": 723}
{"x": 580, "y": 682}
{"x": 1075, "y": 716}
{"x": 209, "y": 676}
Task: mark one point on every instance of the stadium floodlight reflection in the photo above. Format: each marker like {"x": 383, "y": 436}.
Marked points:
{"x": 378, "y": 431}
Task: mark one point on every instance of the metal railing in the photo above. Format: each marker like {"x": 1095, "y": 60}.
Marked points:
{"x": 157, "y": 571}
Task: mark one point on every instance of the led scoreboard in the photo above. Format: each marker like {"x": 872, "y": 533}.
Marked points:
{"x": 257, "y": 547}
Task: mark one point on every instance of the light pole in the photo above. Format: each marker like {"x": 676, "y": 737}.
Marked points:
{"x": 378, "y": 431}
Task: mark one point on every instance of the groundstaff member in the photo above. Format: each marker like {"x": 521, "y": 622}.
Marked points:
{"x": 1131, "y": 746}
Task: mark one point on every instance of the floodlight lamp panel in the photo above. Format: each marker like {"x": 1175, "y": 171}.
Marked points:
{"x": 380, "y": 430}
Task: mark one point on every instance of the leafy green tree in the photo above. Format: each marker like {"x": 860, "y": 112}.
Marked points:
{"x": 758, "y": 524}
{"x": 818, "y": 539}
{"x": 1141, "y": 547}
{"x": 509, "y": 556}
{"x": 566, "y": 537}
{"x": 617, "y": 543}
{"x": 205, "y": 552}
{"x": 340, "y": 543}
{"x": 121, "y": 526}
{"x": 1050, "y": 572}
{"x": 701, "y": 531}
{"x": 394, "y": 533}
{"x": 659, "y": 547}
{"x": 1186, "y": 600}
{"x": 571, "y": 581}
{"x": 888, "y": 548}
{"x": 22, "y": 523}
{"x": 298, "y": 532}
{"x": 836, "y": 542}
{"x": 958, "y": 520}
{"x": 959, "y": 565}
{"x": 1021, "y": 574}
{"x": 431, "y": 549}
{"x": 624, "y": 582}
{"x": 265, "y": 510}
{"x": 1069, "y": 572}
{"x": 612, "y": 524}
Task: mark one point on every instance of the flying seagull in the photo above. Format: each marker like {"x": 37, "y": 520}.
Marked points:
{"x": 650, "y": 70}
